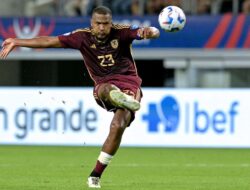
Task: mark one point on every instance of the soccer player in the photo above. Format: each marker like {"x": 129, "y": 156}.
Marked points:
{"x": 106, "y": 50}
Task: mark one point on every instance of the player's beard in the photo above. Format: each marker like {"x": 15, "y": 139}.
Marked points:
{"x": 101, "y": 37}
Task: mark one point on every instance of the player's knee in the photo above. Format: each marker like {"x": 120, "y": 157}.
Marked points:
{"x": 117, "y": 125}
{"x": 104, "y": 90}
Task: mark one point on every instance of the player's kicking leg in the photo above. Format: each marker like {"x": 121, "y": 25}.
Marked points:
{"x": 112, "y": 95}
{"x": 123, "y": 100}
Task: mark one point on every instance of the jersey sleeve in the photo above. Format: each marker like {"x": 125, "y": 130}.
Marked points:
{"x": 132, "y": 33}
{"x": 71, "y": 40}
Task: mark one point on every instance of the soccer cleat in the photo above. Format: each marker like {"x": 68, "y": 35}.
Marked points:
{"x": 94, "y": 182}
{"x": 124, "y": 101}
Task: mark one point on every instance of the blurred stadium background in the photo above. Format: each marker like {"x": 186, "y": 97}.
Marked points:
{"x": 195, "y": 82}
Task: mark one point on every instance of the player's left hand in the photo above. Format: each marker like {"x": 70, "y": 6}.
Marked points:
{"x": 149, "y": 32}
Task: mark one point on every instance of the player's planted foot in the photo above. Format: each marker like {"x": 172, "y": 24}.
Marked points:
{"x": 94, "y": 182}
{"x": 124, "y": 101}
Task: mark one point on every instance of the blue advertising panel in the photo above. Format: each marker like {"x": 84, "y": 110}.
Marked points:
{"x": 224, "y": 31}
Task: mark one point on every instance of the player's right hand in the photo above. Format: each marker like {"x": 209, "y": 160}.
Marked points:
{"x": 7, "y": 46}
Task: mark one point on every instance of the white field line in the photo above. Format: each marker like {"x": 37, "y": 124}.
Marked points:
{"x": 188, "y": 165}
{"x": 134, "y": 165}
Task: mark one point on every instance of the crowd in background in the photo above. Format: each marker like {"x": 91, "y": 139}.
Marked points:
{"x": 118, "y": 7}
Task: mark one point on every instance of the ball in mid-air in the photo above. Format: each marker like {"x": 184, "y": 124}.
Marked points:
{"x": 172, "y": 19}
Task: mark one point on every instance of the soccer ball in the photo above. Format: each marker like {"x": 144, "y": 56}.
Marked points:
{"x": 172, "y": 19}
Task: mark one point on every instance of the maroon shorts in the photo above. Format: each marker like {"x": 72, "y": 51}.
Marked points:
{"x": 130, "y": 89}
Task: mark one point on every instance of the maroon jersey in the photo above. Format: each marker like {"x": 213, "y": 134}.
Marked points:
{"x": 107, "y": 61}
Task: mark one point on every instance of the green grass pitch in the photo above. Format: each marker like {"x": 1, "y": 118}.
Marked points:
{"x": 67, "y": 168}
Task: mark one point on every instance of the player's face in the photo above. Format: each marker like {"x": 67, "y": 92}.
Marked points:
{"x": 101, "y": 25}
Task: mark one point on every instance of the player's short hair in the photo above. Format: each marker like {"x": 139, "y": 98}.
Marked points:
{"x": 102, "y": 10}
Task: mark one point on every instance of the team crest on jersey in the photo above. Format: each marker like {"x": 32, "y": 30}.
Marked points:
{"x": 93, "y": 46}
{"x": 114, "y": 44}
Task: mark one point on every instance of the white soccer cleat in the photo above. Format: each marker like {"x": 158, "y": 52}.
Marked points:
{"x": 94, "y": 182}
{"x": 124, "y": 101}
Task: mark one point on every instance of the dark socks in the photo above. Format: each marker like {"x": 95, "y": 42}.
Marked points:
{"x": 99, "y": 168}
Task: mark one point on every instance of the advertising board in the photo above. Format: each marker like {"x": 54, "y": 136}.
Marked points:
{"x": 167, "y": 118}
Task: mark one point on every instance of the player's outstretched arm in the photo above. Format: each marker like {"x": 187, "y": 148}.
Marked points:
{"x": 40, "y": 42}
{"x": 149, "y": 32}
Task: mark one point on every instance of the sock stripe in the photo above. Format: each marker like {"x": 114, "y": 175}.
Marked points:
{"x": 105, "y": 158}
